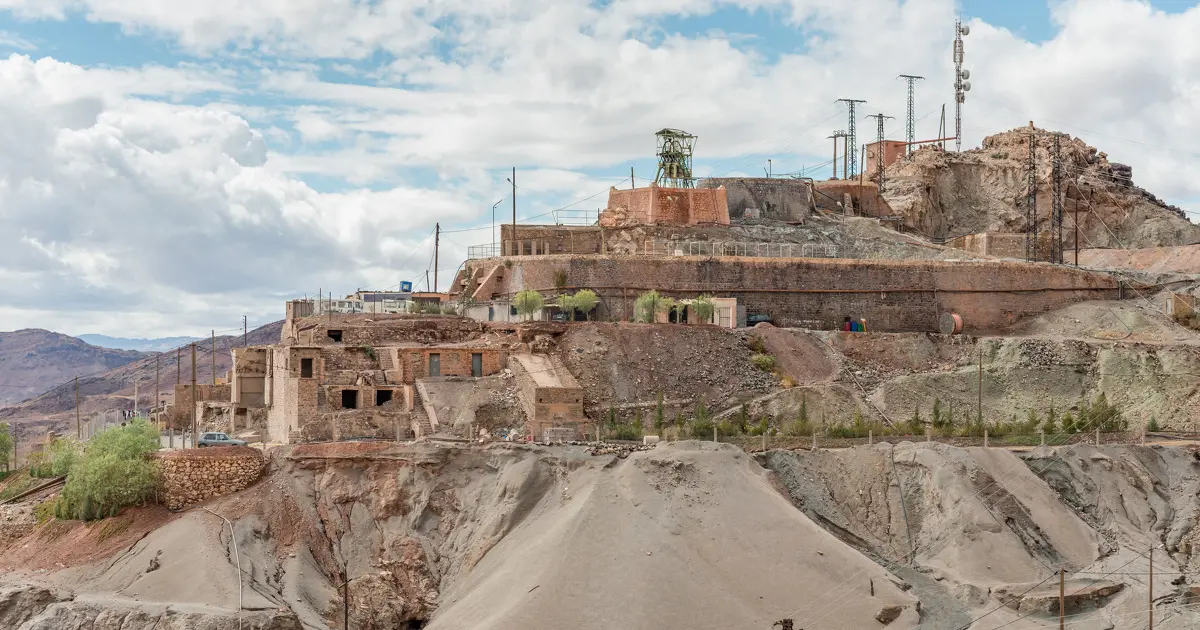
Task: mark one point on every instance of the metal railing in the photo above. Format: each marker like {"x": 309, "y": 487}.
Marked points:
{"x": 726, "y": 248}
{"x": 490, "y": 250}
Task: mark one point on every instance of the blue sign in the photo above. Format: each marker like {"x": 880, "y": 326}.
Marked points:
{"x": 406, "y": 287}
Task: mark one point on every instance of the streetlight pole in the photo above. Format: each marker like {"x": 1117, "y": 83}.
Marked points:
{"x": 494, "y": 224}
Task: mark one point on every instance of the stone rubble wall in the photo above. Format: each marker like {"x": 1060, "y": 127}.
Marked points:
{"x": 193, "y": 476}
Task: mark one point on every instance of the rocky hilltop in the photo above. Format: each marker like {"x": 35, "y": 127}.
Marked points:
{"x": 33, "y": 360}
{"x": 945, "y": 195}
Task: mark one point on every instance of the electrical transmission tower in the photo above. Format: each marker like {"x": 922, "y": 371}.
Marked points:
{"x": 911, "y": 128}
{"x": 879, "y": 118}
{"x": 961, "y": 84}
{"x": 838, "y": 134}
{"x": 1057, "y": 199}
{"x": 851, "y": 138}
{"x": 1031, "y": 227}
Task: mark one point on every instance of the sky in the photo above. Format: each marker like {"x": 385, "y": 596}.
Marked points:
{"x": 170, "y": 167}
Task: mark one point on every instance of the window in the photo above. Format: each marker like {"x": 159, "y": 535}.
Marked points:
{"x": 335, "y": 335}
{"x": 476, "y": 364}
{"x": 382, "y": 397}
{"x": 306, "y": 368}
{"x": 349, "y": 399}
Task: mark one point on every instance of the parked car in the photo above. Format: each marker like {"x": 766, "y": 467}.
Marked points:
{"x": 760, "y": 318}
{"x": 559, "y": 317}
{"x": 218, "y": 439}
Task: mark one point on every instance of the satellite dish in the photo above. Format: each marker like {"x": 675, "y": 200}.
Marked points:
{"x": 966, "y": 86}
{"x": 964, "y": 29}
{"x": 966, "y": 74}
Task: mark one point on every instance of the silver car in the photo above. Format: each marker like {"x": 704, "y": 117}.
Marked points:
{"x": 218, "y": 439}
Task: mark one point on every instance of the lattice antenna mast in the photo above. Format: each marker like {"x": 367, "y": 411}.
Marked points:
{"x": 837, "y": 134}
{"x": 675, "y": 158}
{"x": 851, "y": 137}
{"x": 1031, "y": 227}
{"x": 879, "y": 118}
{"x": 961, "y": 84}
{"x": 1056, "y": 191}
{"x": 911, "y": 127}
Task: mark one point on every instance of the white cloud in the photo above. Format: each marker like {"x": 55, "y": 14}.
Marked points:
{"x": 165, "y": 204}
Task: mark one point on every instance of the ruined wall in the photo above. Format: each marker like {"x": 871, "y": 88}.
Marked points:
{"x": 670, "y": 206}
{"x": 384, "y": 330}
{"x": 179, "y": 414}
{"x": 891, "y": 295}
{"x": 195, "y": 475}
{"x": 628, "y": 207}
{"x": 774, "y": 198}
{"x": 454, "y": 361}
{"x": 553, "y": 239}
{"x": 378, "y": 423}
{"x": 865, "y": 195}
{"x": 1003, "y": 245}
{"x": 558, "y": 405}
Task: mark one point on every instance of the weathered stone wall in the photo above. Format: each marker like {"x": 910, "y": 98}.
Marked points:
{"x": 1003, "y": 245}
{"x": 865, "y": 196}
{"x": 179, "y": 414}
{"x": 774, "y": 198}
{"x": 196, "y": 475}
{"x": 454, "y": 361}
{"x": 892, "y": 295}
{"x": 553, "y": 239}
{"x": 671, "y": 206}
{"x": 359, "y": 423}
{"x": 385, "y": 330}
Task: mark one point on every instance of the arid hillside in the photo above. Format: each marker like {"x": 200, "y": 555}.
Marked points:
{"x": 33, "y": 360}
{"x": 684, "y": 534}
{"x": 946, "y": 194}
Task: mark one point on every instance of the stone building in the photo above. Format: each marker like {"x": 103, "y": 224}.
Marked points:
{"x": 656, "y": 205}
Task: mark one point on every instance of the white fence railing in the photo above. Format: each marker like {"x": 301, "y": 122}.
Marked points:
{"x": 726, "y": 248}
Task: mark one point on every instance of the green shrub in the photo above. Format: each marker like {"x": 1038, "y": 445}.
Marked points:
{"x": 1152, "y": 426}
{"x": 764, "y": 362}
{"x": 528, "y": 302}
{"x": 700, "y": 429}
{"x": 647, "y": 307}
{"x": 114, "y": 472}
{"x": 703, "y": 307}
{"x": 755, "y": 343}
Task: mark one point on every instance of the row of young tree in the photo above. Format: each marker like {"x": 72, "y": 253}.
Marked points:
{"x": 112, "y": 471}
{"x": 646, "y": 308}
{"x": 943, "y": 420}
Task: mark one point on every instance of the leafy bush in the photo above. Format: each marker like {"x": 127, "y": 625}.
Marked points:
{"x": 586, "y": 301}
{"x": 647, "y": 307}
{"x": 704, "y": 307}
{"x": 528, "y": 302}
{"x": 764, "y": 362}
{"x": 755, "y": 343}
{"x": 1152, "y": 426}
{"x": 62, "y": 454}
{"x": 6, "y": 445}
{"x": 114, "y": 472}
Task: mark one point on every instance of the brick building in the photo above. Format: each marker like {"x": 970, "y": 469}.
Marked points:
{"x": 654, "y": 205}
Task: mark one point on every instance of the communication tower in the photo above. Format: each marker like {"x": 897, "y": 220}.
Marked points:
{"x": 961, "y": 83}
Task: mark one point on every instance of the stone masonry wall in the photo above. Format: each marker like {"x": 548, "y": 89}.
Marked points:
{"x": 782, "y": 199}
{"x": 197, "y": 475}
{"x": 895, "y": 296}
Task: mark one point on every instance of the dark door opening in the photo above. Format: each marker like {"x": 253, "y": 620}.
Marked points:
{"x": 335, "y": 335}
{"x": 435, "y": 365}
{"x": 349, "y": 399}
{"x": 306, "y": 368}
{"x": 382, "y": 397}
{"x": 476, "y": 365}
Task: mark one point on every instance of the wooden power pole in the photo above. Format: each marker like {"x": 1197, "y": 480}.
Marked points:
{"x": 78, "y": 427}
{"x": 1062, "y": 598}
{"x": 194, "y": 436}
{"x": 157, "y": 393}
{"x": 214, "y": 357}
{"x": 437, "y": 238}
{"x": 1151, "y": 583}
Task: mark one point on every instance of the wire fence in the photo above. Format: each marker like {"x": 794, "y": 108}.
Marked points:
{"x": 662, "y": 247}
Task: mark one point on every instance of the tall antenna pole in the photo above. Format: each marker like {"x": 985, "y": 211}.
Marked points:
{"x": 879, "y": 118}
{"x": 437, "y": 238}
{"x": 838, "y": 134}
{"x": 1031, "y": 227}
{"x": 1056, "y": 199}
{"x": 851, "y": 137}
{"x": 911, "y": 127}
{"x": 961, "y": 84}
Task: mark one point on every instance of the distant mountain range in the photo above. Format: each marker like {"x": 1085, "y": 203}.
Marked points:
{"x": 162, "y": 344}
{"x": 33, "y": 360}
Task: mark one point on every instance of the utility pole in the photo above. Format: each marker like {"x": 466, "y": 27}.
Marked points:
{"x": 214, "y": 358}
{"x": 1062, "y": 598}
{"x": 838, "y": 134}
{"x": 1151, "y": 583}
{"x": 851, "y": 137}
{"x": 135, "y": 394}
{"x": 979, "y": 401}
{"x": 245, "y": 333}
{"x": 911, "y": 126}
{"x": 437, "y": 240}
{"x": 1031, "y": 227}
{"x": 1056, "y": 200}
{"x": 514, "y": 241}
{"x": 942, "y": 128}
{"x": 632, "y": 181}
{"x": 961, "y": 84}
{"x": 157, "y": 393}
{"x": 78, "y": 427}
{"x": 879, "y": 165}
{"x": 193, "y": 395}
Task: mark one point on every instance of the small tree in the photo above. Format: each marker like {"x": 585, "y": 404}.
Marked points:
{"x": 528, "y": 302}
{"x": 566, "y": 303}
{"x": 647, "y": 307}
{"x": 6, "y": 445}
{"x": 916, "y": 424}
{"x": 935, "y": 415}
{"x": 586, "y": 301}
{"x": 114, "y": 472}
{"x": 704, "y": 308}
{"x": 1152, "y": 426}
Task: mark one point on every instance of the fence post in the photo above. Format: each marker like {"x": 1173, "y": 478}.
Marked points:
{"x": 928, "y": 434}
{"x": 870, "y": 438}
{"x": 1097, "y": 436}
{"x": 985, "y": 438}
{"x": 814, "y": 447}
{"x": 1043, "y": 437}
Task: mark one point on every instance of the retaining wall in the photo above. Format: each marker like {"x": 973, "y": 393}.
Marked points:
{"x": 894, "y": 296}
{"x": 196, "y": 475}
